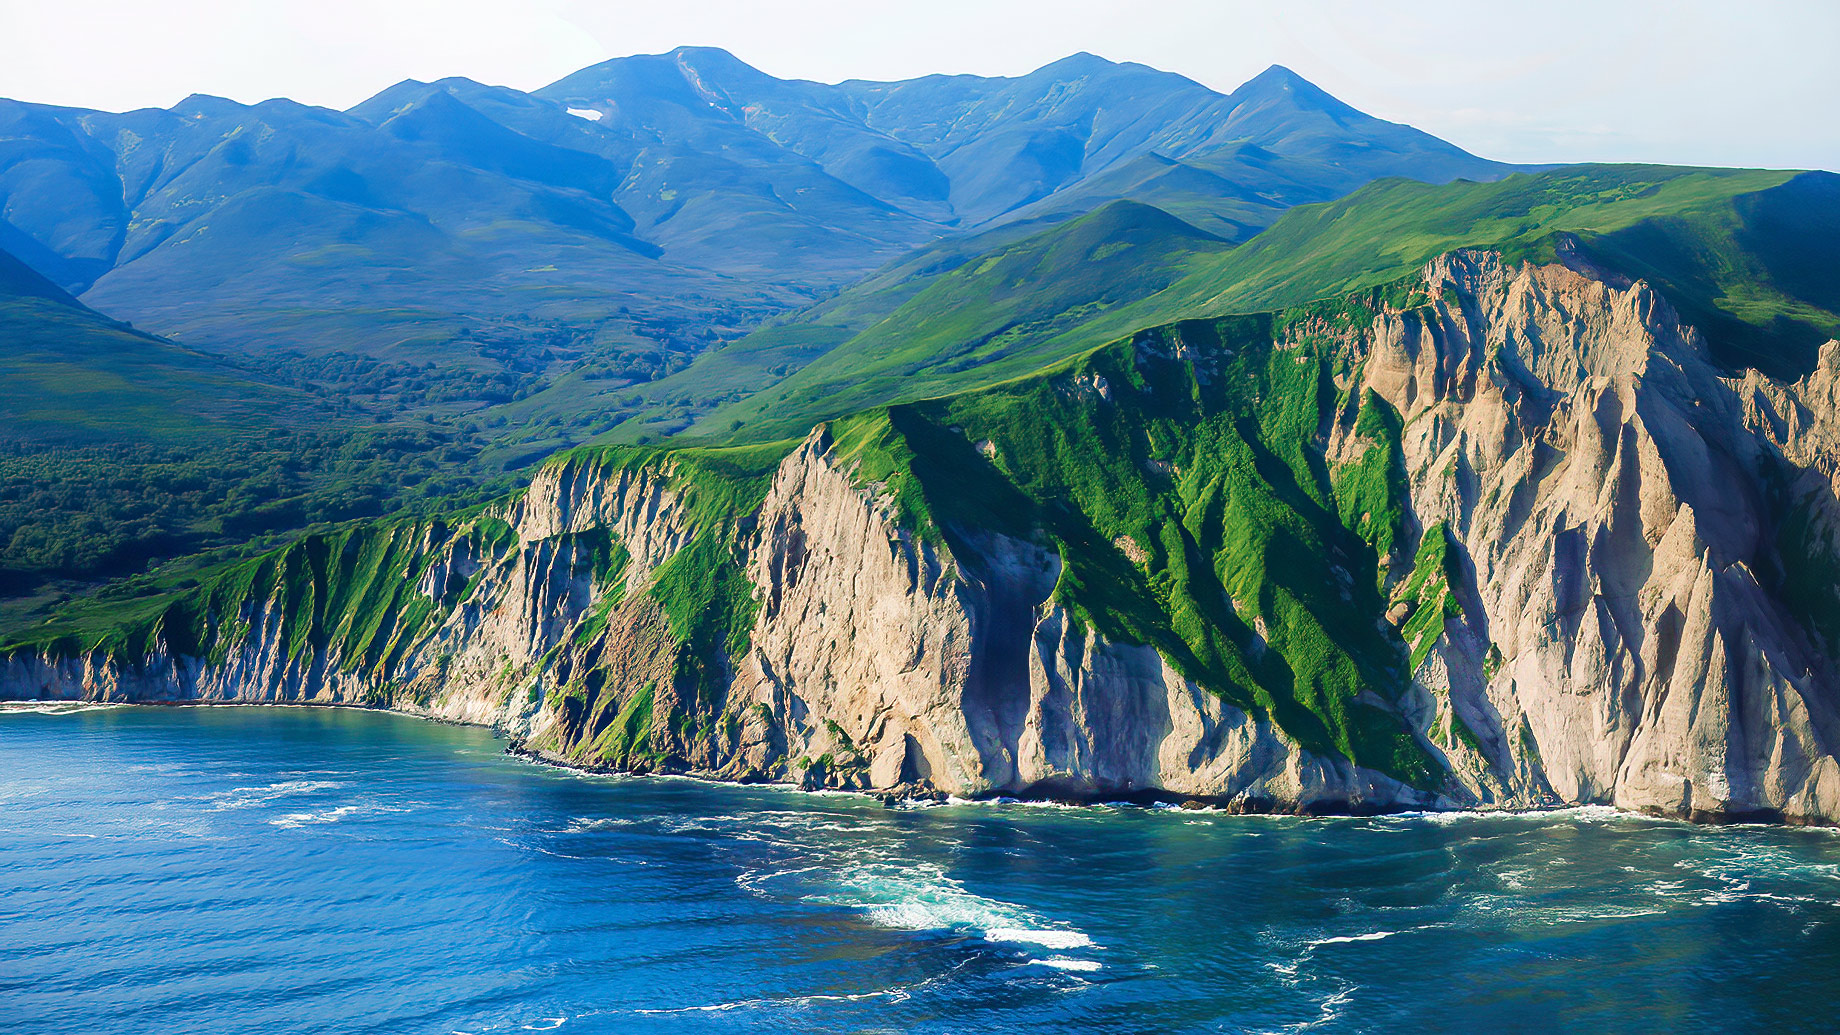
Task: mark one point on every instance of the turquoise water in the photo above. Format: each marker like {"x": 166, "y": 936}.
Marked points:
{"x": 293, "y": 870}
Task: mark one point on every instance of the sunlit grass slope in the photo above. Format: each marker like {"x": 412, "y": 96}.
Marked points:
{"x": 71, "y": 375}
{"x": 1746, "y": 255}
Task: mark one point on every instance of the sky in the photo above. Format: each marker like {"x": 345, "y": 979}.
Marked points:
{"x": 1734, "y": 82}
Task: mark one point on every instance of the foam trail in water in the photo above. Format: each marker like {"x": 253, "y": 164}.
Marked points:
{"x": 892, "y": 994}
{"x": 296, "y": 820}
{"x": 1343, "y": 939}
{"x": 920, "y": 897}
{"x": 1570, "y": 814}
{"x": 252, "y": 797}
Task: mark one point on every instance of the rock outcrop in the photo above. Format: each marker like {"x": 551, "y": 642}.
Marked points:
{"x": 1611, "y": 579}
{"x": 1613, "y": 494}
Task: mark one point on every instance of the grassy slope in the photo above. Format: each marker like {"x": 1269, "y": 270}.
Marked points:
{"x": 985, "y": 320}
{"x": 119, "y": 449}
{"x": 652, "y": 410}
{"x": 72, "y": 376}
{"x": 1739, "y": 252}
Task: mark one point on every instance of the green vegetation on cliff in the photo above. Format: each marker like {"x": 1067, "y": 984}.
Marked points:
{"x": 1739, "y": 252}
{"x": 703, "y": 587}
{"x": 1370, "y": 493}
{"x": 360, "y": 594}
{"x": 1180, "y": 476}
{"x": 1431, "y": 591}
{"x": 1806, "y": 573}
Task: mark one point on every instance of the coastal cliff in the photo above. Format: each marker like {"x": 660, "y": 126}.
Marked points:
{"x": 1496, "y": 536}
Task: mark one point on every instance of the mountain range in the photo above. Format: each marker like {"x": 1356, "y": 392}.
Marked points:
{"x": 659, "y": 190}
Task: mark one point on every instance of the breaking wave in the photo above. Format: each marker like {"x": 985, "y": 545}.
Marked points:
{"x": 922, "y": 897}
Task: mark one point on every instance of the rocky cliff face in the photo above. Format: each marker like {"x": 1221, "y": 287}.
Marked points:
{"x": 1618, "y": 503}
{"x": 1574, "y": 563}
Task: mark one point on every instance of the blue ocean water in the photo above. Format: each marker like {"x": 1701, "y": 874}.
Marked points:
{"x": 301, "y": 870}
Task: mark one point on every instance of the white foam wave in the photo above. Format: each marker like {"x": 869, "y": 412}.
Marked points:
{"x": 539, "y": 1024}
{"x": 584, "y": 824}
{"x": 921, "y": 897}
{"x": 1330, "y": 1009}
{"x": 528, "y": 846}
{"x": 55, "y": 708}
{"x": 1063, "y": 963}
{"x": 755, "y": 824}
{"x": 1344, "y": 939}
{"x": 1085, "y": 808}
{"x": 1308, "y": 948}
{"x": 254, "y": 797}
{"x": 1052, "y": 939}
{"x": 759, "y": 881}
{"x": 895, "y": 995}
{"x": 296, "y": 820}
{"x": 1573, "y": 814}
{"x": 1746, "y": 860}
{"x": 1516, "y": 879}
{"x": 920, "y": 803}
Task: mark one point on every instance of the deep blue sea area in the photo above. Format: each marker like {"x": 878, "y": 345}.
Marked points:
{"x": 206, "y": 870}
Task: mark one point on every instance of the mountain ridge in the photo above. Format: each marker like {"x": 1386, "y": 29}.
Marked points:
{"x": 782, "y": 169}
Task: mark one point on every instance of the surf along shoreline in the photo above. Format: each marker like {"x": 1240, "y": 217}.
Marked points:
{"x": 918, "y": 795}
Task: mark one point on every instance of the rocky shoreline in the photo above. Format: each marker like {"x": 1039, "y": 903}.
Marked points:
{"x": 895, "y": 797}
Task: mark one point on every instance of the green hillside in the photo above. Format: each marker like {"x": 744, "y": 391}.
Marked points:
{"x": 650, "y": 410}
{"x": 71, "y": 375}
{"x": 120, "y": 449}
{"x": 920, "y": 333}
{"x": 1740, "y": 253}
{"x": 1745, "y": 254}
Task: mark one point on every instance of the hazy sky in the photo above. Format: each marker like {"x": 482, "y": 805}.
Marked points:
{"x": 1736, "y": 82}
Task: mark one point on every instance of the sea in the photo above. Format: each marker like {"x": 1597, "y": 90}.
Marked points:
{"x": 267, "y": 869}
